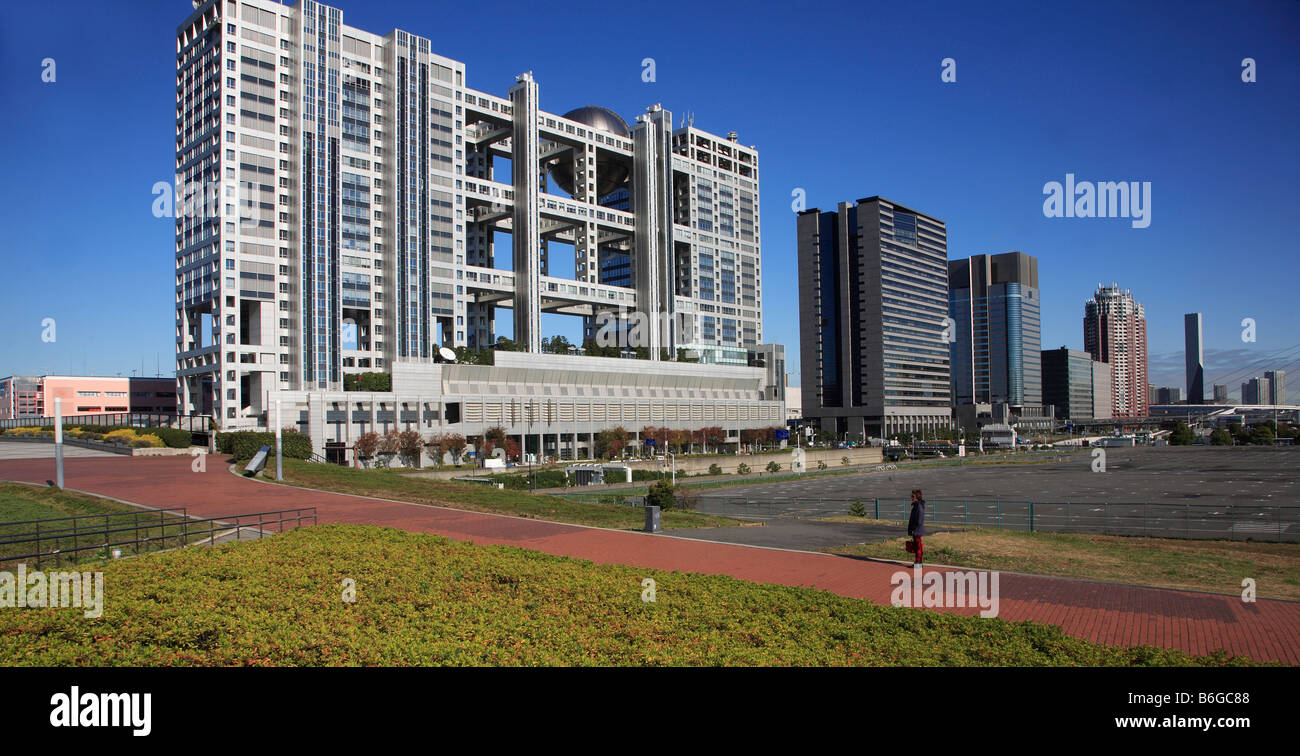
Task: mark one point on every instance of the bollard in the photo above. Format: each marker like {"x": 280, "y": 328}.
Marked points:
{"x": 651, "y": 519}
{"x": 58, "y": 442}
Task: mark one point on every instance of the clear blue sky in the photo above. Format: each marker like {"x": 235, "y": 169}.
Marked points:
{"x": 844, "y": 102}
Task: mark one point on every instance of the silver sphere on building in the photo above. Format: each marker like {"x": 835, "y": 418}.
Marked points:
{"x": 611, "y": 174}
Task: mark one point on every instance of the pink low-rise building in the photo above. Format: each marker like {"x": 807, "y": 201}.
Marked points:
{"x": 33, "y": 396}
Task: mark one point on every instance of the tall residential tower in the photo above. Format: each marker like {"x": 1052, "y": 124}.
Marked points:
{"x": 1115, "y": 332}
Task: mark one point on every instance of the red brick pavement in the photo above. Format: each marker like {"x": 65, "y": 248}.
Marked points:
{"x": 1102, "y": 612}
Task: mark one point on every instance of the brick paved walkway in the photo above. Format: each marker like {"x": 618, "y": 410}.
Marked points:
{"x": 1106, "y": 613}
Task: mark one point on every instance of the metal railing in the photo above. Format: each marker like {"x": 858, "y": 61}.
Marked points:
{"x": 192, "y": 423}
{"x": 96, "y": 537}
{"x": 1238, "y": 522}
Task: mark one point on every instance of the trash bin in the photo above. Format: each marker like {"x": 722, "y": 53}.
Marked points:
{"x": 652, "y": 519}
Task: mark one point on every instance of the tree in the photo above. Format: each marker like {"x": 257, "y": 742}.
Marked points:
{"x": 556, "y": 345}
{"x": 773, "y": 466}
{"x": 409, "y": 446}
{"x": 661, "y": 494}
{"x": 374, "y": 382}
{"x": 454, "y": 443}
{"x": 1182, "y": 435}
{"x": 821, "y": 464}
{"x": 366, "y": 447}
{"x": 679, "y": 439}
{"x": 610, "y": 442}
{"x": 496, "y": 436}
{"x": 467, "y": 356}
{"x": 715, "y": 469}
{"x": 715, "y": 436}
{"x": 389, "y": 446}
{"x": 659, "y": 435}
{"x": 1262, "y": 435}
{"x": 1220, "y": 437}
{"x": 512, "y": 450}
{"x": 437, "y": 446}
{"x": 591, "y": 349}
{"x": 742, "y": 469}
{"x": 857, "y": 509}
{"x": 508, "y": 345}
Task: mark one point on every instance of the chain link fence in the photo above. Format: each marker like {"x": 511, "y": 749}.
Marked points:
{"x": 1238, "y": 522}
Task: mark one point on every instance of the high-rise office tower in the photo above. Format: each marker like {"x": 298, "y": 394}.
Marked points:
{"x": 996, "y": 356}
{"x": 1103, "y": 388}
{"x": 348, "y": 202}
{"x": 1115, "y": 331}
{"x": 1220, "y": 393}
{"x": 1067, "y": 382}
{"x": 1256, "y": 391}
{"x": 1276, "y": 386}
{"x": 1194, "y": 358}
{"x": 873, "y": 297}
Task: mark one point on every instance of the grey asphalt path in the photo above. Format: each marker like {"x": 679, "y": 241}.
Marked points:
{"x": 804, "y": 535}
{"x": 36, "y": 450}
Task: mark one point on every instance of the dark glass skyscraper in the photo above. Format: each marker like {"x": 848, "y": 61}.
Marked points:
{"x": 993, "y": 301}
{"x": 873, "y": 294}
{"x": 1194, "y": 358}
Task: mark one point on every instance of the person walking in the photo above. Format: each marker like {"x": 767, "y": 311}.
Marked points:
{"x": 916, "y": 527}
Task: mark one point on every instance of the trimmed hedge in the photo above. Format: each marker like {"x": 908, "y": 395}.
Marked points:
{"x": 245, "y": 444}
{"x": 174, "y": 438}
{"x": 170, "y": 437}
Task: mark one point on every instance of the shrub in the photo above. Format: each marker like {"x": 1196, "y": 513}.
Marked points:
{"x": 773, "y": 467}
{"x": 121, "y": 436}
{"x": 661, "y": 495}
{"x": 715, "y": 469}
{"x": 821, "y": 464}
{"x": 742, "y": 469}
{"x": 174, "y": 438}
{"x": 245, "y": 444}
{"x": 857, "y": 509}
{"x": 147, "y": 441}
{"x": 844, "y": 461}
{"x": 409, "y": 445}
{"x": 389, "y": 444}
{"x": 367, "y": 446}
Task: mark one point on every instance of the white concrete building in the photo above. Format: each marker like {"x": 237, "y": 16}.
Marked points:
{"x": 344, "y": 203}
{"x": 553, "y": 405}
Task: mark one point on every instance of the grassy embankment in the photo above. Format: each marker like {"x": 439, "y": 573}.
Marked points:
{"x": 424, "y": 600}
{"x": 387, "y": 484}
{"x": 1215, "y": 566}
{"x": 124, "y": 522}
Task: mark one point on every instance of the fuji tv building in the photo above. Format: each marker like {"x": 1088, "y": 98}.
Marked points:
{"x": 412, "y": 209}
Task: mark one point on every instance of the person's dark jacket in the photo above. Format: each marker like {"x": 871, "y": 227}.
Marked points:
{"x": 916, "y": 522}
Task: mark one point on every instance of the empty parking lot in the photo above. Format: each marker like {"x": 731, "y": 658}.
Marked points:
{"x": 1230, "y": 492}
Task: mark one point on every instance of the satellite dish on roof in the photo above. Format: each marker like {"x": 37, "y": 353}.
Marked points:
{"x": 447, "y": 354}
